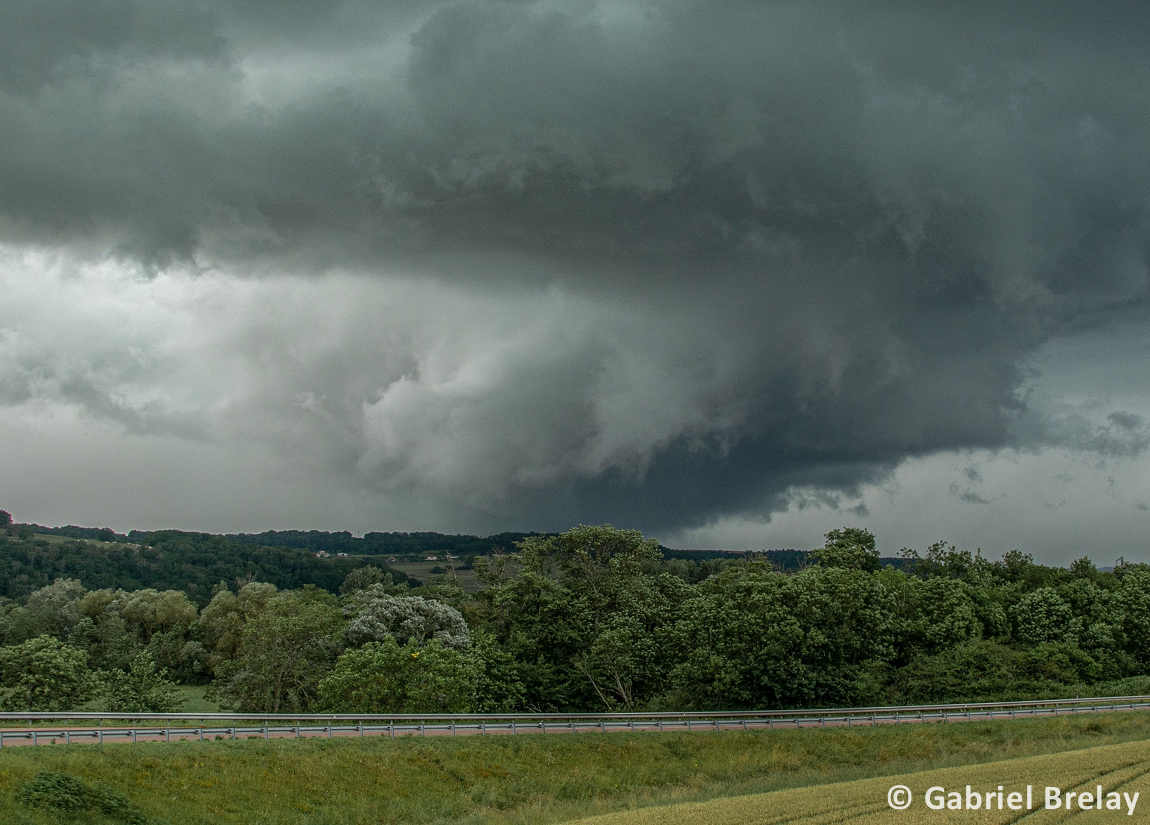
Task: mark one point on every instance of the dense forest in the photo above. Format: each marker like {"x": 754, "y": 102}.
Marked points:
{"x": 594, "y": 618}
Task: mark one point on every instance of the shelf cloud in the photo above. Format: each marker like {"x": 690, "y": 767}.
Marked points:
{"x": 539, "y": 263}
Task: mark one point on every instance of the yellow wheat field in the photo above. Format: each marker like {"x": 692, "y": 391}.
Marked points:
{"x": 1118, "y": 769}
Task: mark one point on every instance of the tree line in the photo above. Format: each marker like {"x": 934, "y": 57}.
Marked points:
{"x": 165, "y": 560}
{"x": 596, "y": 618}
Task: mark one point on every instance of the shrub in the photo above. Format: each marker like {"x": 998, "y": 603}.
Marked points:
{"x": 65, "y": 794}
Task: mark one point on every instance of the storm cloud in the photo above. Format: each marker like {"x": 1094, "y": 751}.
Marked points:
{"x": 655, "y": 263}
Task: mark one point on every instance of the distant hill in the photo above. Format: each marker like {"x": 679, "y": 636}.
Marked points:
{"x": 787, "y": 561}
{"x": 382, "y": 544}
{"x": 32, "y": 555}
{"x": 74, "y": 532}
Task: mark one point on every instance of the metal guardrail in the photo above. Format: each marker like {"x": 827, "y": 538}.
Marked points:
{"x": 148, "y": 727}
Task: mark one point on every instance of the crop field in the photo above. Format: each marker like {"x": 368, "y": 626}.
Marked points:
{"x": 1119, "y": 771}
{"x": 530, "y": 779}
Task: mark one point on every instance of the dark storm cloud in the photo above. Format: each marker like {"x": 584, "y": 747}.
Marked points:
{"x": 805, "y": 241}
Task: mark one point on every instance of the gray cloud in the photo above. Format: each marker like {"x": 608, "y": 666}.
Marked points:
{"x": 653, "y": 263}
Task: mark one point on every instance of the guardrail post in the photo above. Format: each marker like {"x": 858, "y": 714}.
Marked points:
{"x": 512, "y": 727}
{"x": 133, "y": 734}
{"x": 602, "y": 727}
{"x": 200, "y": 731}
{"x": 483, "y": 727}
{"x": 770, "y": 724}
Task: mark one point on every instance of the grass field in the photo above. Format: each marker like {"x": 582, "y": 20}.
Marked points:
{"x": 529, "y": 778}
{"x": 1120, "y": 771}
{"x": 54, "y": 539}
{"x": 422, "y": 571}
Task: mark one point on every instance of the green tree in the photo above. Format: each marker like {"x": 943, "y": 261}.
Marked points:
{"x": 223, "y": 620}
{"x": 947, "y": 561}
{"x": 44, "y": 674}
{"x": 283, "y": 654}
{"x": 1134, "y": 598}
{"x": 147, "y": 612}
{"x": 607, "y": 625}
{"x": 142, "y": 689}
{"x": 1043, "y": 616}
{"x": 362, "y": 578}
{"x": 943, "y": 614}
{"x": 383, "y": 677}
{"x": 51, "y": 610}
{"x": 756, "y": 638}
{"x": 851, "y": 548}
{"x": 498, "y": 688}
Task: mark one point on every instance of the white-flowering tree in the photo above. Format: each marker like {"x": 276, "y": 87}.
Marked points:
{"x": 406, "y": 618}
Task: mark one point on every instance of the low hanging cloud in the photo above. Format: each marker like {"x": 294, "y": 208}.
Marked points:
{"x": 655, "y": 263}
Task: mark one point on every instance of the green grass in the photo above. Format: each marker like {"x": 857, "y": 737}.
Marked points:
{"x": 194, "y": 701}
{"x": 1117, "y": 769}
{"x": 522, "y": 779}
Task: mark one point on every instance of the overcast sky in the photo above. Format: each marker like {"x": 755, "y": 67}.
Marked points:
{"x": 734, "y": 274}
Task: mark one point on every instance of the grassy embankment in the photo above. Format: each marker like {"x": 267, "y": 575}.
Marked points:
{"x": 1118, "y": 771}
{"x": 522, "y": 779}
